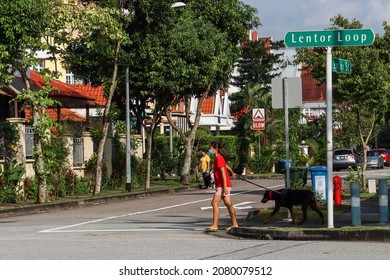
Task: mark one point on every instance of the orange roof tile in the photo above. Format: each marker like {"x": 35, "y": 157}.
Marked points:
{"x": 66, "y": 115}
{"x": 208, "y": 105}
{"x": 311, "y": 92}
{"x": 95, "y": 92}
{"x": 240, "y": 113}
{"x": 64, "y": 89}
{"x": 178, "y": 108}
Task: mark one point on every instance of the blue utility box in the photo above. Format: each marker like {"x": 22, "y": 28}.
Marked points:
{"x": 319, "y": 181}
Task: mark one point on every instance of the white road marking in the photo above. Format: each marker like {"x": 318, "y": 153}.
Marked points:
{"x": 65, "y": 228}
{"x": 119, "y": 230}
{"x": 243, "y": 207}
{"x": 236, "y": 206}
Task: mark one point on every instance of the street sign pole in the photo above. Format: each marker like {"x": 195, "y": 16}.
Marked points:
{"x": 329, "y": 135}
{"x": 287, "y": 135}
{"x": 329, "y": 39}
{"x": 128, "y": 131}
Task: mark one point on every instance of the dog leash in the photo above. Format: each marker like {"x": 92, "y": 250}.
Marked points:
{"x": 257, "y": 185}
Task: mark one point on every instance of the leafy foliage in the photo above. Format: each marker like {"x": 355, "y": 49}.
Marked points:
{"x": 21, "y": 33}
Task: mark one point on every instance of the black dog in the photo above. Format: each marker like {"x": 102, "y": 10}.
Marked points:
{"x": 287, "y": 198}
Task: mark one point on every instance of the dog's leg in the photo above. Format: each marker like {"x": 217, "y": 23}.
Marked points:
{"x": 291, "y": 209}
{"x": 304, "y": 213}
{"x": 315, "y": 208}
{"x": 276, "y": 209}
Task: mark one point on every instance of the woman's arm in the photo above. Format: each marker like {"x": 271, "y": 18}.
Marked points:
{"x": 234, "y": 175}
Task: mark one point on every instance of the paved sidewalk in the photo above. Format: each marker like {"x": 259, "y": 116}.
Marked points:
{"x": 370, "y": 230}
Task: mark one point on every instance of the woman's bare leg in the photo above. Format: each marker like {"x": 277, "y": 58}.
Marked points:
{"x": 215, "y": 204}
{"x": 232, "y": 211}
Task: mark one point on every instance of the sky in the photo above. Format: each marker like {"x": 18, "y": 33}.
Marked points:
{"x": 281, "y": 16}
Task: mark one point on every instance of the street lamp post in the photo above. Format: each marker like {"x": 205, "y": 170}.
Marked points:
{"x": 170, "y": 135}
{"x": 174, "y": 5}
{"x": 128, "y": 147}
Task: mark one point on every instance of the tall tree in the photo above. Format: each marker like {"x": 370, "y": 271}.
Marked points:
{"x": 94, "y": 40}
{"x": 259, "y": 63}
{"x": 181, "y": 54}
{"x": 365, "y": 92}
{"x": 25, "y": 26}
{"x": 206, "y": 42}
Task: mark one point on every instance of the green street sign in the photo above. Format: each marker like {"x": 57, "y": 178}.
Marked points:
{"x": 341, "y": 65}
{"x": 330, "y": 38}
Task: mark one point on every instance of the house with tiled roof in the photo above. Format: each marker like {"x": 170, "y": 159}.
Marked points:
{"x": 76, "y": 104}
{"x": 68, "y": 97}
{"x": 215, "y": 111}
{"x": 313, "y": 97}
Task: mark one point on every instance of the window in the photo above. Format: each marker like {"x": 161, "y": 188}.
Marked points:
{"x": 40, "y": 66}
{"x": 29, "y": 137}
{"x": 78, "y": 151}
{"x": 70, "y": 78}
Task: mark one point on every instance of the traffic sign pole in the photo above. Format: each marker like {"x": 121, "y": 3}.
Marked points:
{"x": 329, "y": 39}
{"x": 329, "y": 135}
{"x": 287, "y": 135}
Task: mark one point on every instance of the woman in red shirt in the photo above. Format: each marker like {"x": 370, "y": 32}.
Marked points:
{"x": 223, "y": 185}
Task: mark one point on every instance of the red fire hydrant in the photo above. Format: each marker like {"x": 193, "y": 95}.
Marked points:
{"x": 337, "y": 184}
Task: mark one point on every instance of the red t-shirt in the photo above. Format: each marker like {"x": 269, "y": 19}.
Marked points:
{"x": 219, "y": 162}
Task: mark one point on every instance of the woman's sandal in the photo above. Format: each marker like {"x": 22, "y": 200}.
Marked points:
{"x": 210, "y": 229}
{"x": 229, "y": 228}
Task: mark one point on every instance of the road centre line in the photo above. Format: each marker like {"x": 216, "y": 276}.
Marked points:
{"x": 58, "y": 229}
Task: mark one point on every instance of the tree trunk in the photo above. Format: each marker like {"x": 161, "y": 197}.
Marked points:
{"x": 364, "y": 138}
{"x": 106, "y": 125}
{"x": 39, "y": 162}
{"x": 99, "y": 160}
{"x": 148, "y": 159}
{"x": 185, "y": 172}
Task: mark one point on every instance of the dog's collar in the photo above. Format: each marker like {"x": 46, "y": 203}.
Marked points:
{"x": 270, "y": 195}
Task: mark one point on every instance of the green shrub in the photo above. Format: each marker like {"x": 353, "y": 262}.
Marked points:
{"x": 82, "y": 186}
{"x": 163, "y": 163}
{"x": 71, "y": 180}
{"x": 31, "y": 189}
{"x": 11, "y": 176}
{"x": 262, "y": 163}
{"x": 7, "y": 195}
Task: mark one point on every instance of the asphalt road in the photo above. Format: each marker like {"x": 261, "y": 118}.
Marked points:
{"x": 164, "y": 227}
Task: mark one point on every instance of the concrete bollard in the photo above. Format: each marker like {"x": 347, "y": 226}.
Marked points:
{"x": 355, "y": 204}
{"x": 383, "y": 201}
